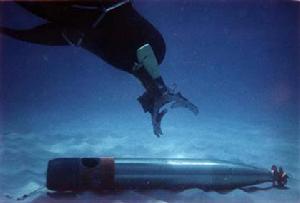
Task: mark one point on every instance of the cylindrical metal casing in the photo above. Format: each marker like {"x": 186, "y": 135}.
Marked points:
{"x": 72, "y": 174}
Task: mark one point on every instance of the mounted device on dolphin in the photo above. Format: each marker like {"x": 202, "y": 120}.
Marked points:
{"x": 115, "y": 32}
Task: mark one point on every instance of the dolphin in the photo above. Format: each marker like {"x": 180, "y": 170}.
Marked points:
{"x": 116, "y": 33}
{"x": 115, "y": 39}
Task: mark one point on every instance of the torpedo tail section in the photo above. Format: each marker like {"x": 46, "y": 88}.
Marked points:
{"x": 45, "y": 34}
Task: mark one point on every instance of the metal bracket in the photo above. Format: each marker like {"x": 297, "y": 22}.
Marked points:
{"x": 77, "y": 42}
{"x": 106, "y": 10}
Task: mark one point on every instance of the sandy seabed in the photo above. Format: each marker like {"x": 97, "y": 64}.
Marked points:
{"x": 24, "y": 159}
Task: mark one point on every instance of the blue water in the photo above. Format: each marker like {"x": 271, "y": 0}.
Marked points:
{"x": 238, "y": 62}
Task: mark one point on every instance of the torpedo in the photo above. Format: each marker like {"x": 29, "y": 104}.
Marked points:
{"x": 102, "y": 174}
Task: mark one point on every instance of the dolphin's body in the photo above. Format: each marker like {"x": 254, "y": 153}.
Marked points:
{"x": 117, "y": 33}
{"x": 111, "y": 31}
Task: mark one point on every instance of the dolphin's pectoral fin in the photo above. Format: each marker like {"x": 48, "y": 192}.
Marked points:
{"x": 46, "y": 34}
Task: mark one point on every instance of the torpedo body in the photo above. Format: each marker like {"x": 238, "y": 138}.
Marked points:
{"x": 75, "y": 174}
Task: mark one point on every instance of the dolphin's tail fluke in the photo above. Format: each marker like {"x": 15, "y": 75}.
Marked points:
{"x": 46, "y": 34}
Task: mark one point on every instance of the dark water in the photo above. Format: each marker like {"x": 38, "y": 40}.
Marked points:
{"x": 238, "y": 62}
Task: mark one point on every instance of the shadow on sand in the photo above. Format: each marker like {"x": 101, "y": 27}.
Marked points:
{"x": 129, "y": 196}
{"x": 251, "y": 189}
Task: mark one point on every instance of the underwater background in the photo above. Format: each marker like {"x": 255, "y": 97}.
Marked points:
{"x": 237, "y": 61}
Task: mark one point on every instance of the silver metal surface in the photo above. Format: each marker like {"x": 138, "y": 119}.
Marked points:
{"x": 185, "y": 173}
